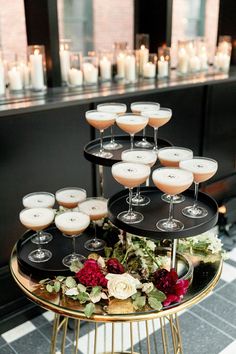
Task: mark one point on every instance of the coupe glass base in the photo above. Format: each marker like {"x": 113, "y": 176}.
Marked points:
{"x": 112, "y": 146}
{"x": 67, "y": 260}
{"x": 178, "y": 198}
{"x": 104, "y": 154}
{"x": 139, "y": 200}
{"x": 133, "y": 217}
{"x": 195, "y": 212}
{"x": 144, "y": 144}
{"x": 170, "y": 225}
{"x": 39, "y": 256}
{"x": 95, "y": 245}
{"x": 43, "y": 239}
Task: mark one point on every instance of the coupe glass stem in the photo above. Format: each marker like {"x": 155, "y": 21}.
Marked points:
{"x": 112, "y": 135}
{"x": 73, "y": 245}
{"x": 138, "y": 191}
{"x": 130, "y": 201}
{"x": 196, "y": 187}
{"x": 101, "y": 142}
{"x": 39, "y": 250}
{"x": 144, "y": 134}
{"x": 131, "y": 141}
{"x": 155, "y": 138}
{"x": 171, "y": 209}
{"x": 95, "y": 230}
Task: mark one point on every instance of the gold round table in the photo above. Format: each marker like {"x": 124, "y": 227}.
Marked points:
{"x": 206, "y": 275}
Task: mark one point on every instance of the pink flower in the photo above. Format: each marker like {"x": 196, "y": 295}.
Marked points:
{"x": 91, "y": 274}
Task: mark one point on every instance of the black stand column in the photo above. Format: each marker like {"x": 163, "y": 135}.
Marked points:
{"x": 42, "y": 28}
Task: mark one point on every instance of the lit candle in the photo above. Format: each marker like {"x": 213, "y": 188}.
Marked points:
{"x": 36, "y": 66}
{"x": 90, "y": 73}
{"x": 143, "y": 58}
{"x": 2, "y": 78}
{"x": 130, "y": 68}
{"x": 163, "y": 67}
{"x": 121, "y": 66}
{"x": 149, "y": 70}
{"x": 65, "y": 62}
{"x": 194, "y": 64}
{"x": 222, "y": 61}
{"x": 15, "y": 79}
{"x": 105, "y": 68}
{"x": 75, "y": 77}
{"x": 182, "y": 61}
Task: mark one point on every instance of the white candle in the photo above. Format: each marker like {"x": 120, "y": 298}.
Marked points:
{"x": 222, "y": 61}
{"x": 143, "y": 58}
{"x": 130, "y": 68}
{"x": 121, "y": 65}
{"x": 90, "y": 73}
{"x": 105, "y": 68}
{"x": 194, "y": 64}
{"x": 65, "y": 63}
{"x": 36, "y": 66}
{"x": 2, "y": 78}
{"x": 163, "y": 68}
{"x": 203, "y": 61}
{"x": 149, "y": 70}
{"x": 15, "y": 79}
{"x": 75, "y": 77}
{"x": 25, "y": 74}
{"x": 182, "y": 61}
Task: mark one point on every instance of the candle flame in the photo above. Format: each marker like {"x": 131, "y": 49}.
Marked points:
{"x": 162, "y": 58}
{"x": 222, "y": 209}
{"x": 36, "y": 52}
{"x": 142, "y": 47}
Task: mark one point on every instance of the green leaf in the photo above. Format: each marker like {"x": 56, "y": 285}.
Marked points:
{"x": 70, "y": 282}
{"x": 96, "y": 291}
{"x": 76, "y": 266}
{"x": 89, "y": 309}
{"x": 57, "y": 286}
{"x": 49, "y": 288}
{"x": 60, "y": 278}
{"x": 83, "y": 297}
{"x": 43, "y": 281}
{"x": 136, "y": 295}
{"x": 157, "y": 294}
{"x": 154, "y": 303}
{"x": 139, "y": 302}
{"x": 81, "y": 288}
{"x": 108, "y": 251}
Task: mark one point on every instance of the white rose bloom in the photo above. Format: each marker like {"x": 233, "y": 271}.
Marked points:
{"x": 72, "y": 292}
{"x": 147, "y": 287}
{"x": 122, "y": 286}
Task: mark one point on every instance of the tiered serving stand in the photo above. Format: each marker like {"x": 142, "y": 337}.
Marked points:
{"x": 123, "y": 330}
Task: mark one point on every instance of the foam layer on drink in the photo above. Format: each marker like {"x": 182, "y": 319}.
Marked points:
{"x": 144, "y": 106}
{"x": 39, "y": 200}
{"x": 171, "y": 156}
{"x": 36, "y": 218}
{"x": 100, "y": 120}
{"x": 112, "y": 108}
{"x": 72, "y": 223}
{"x": 130, "y": 174}
{"x": 203, "y": 169}
{"x": 157, "y": 118}
{"x": 94, "y": 207}
{"x": 146, "y": 157}
{"x": 131, "y": 123}
{"x": 172, "y": 180}
{"x": 69, "y": 198}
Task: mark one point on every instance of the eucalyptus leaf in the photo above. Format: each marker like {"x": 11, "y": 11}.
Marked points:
{"x": 76, "y": 266}
{"x": 49, "y": 288}
{"x": 96, "y": 290}
{"x": 43, "y": 281}
{"x": 83, "y": 297}
{"x": 81, "y": 288}
{"x": 57, "y": 286}
{"x": 60, "y": 278}
{"x": 157, "y": 294}
{"x": 139, "y": 302}
{"x": 70, "y": 282}
{"x": 154, "y": 303}
{"x": 89, "y": 309}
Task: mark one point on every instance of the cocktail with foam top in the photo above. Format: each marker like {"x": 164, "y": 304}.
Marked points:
{"x": 131, "y": 123}
{"x": 70, "y": 197}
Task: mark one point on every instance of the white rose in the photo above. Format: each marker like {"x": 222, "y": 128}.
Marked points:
{"x": 122, "y": 286}
{"x": 147, "y": 287}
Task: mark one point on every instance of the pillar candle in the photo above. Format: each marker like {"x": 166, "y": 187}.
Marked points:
{"x": 65, "y": 63}
{"x": 105, "y": 68}
{"x": 194, "y": 64}
{"x": 182, "y": 61}
{"x": 149, "y": 70}
{"x": 75, "y": 77}
{"x": 15, "y": 79}
{"x": 163, "y": 68}
{"x": 36, "y": 66}
{"x": 143, "y": 58}
{"x": 90, "y": 73}
{"x": 130, "y": 68}
{"x": 121, "y": 65}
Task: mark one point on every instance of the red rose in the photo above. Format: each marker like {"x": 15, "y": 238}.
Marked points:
{"x": 114, "y": 266}
{"x": 168, "y": 282}
{"x": 91, "y": 274}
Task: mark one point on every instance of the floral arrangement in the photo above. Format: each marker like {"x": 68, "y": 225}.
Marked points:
{"x": 131, "y": 276}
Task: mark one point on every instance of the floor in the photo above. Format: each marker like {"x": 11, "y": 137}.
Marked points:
{"x": 207, "y": 328}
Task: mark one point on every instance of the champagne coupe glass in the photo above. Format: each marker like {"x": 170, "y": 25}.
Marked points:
{"x": 146, "y": 157}
{"x": 72, "y": 224}
{"x": 39, "y": 200}
{"x": 130, "y": 175}
{"x": 172, "y": 181}
{"x": 37, "y": 219}
{"x": 70, "y": 197}
{"x": 101, "y": 121}
{"x": 131, "y": 123}
{"x": 156, "y": 120}
{"x": 117, "y": 108}
{"x": 170, "y": 157}
{"x": 203, "y": 169}
{"x": 96, "y": 208}
{"x": 137, "y": 108}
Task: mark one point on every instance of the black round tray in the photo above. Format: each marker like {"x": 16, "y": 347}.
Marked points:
{"x": 157, "y": 209}
{"x": 60, "y": 246}
{"x": 94, "y": 145}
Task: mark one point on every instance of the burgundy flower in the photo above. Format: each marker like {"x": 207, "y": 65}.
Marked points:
{"x": 168, "y": 282}
{"x": 91, "y": 274}
{"x": 114, "y": 266}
